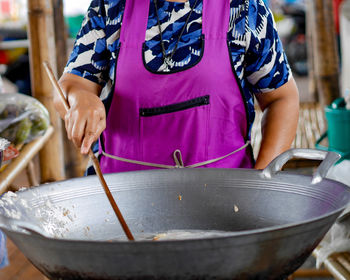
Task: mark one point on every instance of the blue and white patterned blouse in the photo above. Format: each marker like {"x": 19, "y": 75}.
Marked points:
{"x": 256, "y": 50}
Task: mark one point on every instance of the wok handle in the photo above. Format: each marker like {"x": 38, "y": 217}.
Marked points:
{"x": 328, "y": 159}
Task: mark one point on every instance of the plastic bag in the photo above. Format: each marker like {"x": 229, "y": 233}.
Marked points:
{"x": 338, "y": 237}
{"x": 7, "y": 153}
{"x": 22, "y": 118}
{"x": 4, "y": 144}
{"x": 3, "y": 252}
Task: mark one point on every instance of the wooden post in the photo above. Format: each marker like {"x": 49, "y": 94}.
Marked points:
{"x": 75, "y": 162}
{"x": 326, "y": 58}
{"x": 310, "y": 27}
{"x": 60, "y": 35}
{"x": 42, "y": 48}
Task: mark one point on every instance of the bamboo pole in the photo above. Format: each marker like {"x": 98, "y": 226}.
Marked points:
{"x": 60, "y": 35}
{"x": 18, "y": 164}
{"x": 75, "y": 162}
{"x": 310, "y": 27}
{"x": 92, "y": 157}
{"x": 42, "y": 48}
{"x": 32, "y": 178}
{"x": 326, "y": 58}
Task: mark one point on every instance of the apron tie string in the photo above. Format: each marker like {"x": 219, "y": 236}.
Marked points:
{"x": 177, "y": 156}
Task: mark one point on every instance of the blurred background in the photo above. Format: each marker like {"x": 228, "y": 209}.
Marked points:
{"x": 14, "y": 60}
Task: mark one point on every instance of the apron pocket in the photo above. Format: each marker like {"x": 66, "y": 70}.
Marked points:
{"x": 182, "y": 126}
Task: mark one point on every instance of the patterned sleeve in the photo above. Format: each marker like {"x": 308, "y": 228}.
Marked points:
{"x": 267, "y": 66}
{"x": 90, "y": 56}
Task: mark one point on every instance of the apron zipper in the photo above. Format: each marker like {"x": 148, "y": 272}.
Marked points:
{"x": 195, "y": 102}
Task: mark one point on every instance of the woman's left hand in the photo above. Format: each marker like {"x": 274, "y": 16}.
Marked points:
{"x": 279, "y": 123}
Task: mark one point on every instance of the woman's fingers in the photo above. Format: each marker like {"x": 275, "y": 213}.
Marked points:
{"x": 87, "y": 142}
{"x": 89, "y": 139}
{"x": 75, "y": 127}
{"x": 84, "y": 131}
{"x": 92, "y": 131}
{"x": 78, "y": 129}
{"x": 68, "y": 123}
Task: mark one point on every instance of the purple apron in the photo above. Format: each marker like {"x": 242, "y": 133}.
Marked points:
{"x": 191, "y": 118}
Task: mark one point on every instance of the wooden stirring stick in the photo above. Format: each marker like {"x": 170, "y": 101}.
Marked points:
{"x": 95, "y": 161}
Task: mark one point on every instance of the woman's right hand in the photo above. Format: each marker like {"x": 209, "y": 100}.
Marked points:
{"x": 86, "y": 118}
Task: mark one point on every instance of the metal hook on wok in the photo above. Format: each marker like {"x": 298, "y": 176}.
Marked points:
{"x": 93, "y": 158}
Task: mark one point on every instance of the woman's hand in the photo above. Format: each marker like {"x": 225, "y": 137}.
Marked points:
{"x": 279, "y": 123}
{"x": 86, "y": 119}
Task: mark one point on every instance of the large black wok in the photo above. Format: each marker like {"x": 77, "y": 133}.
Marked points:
{"x": 274, "y": 221}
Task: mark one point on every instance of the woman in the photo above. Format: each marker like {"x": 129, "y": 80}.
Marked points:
{"x": 178, "y": 80}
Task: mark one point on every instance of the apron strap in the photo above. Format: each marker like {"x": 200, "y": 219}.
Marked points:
{"x": 219, "y": 158}
{"x": 135, "y": 20}
{"x": 164, "y": 166}
{"x": 177, "y": 159}
{"x": 215, "y": 18}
